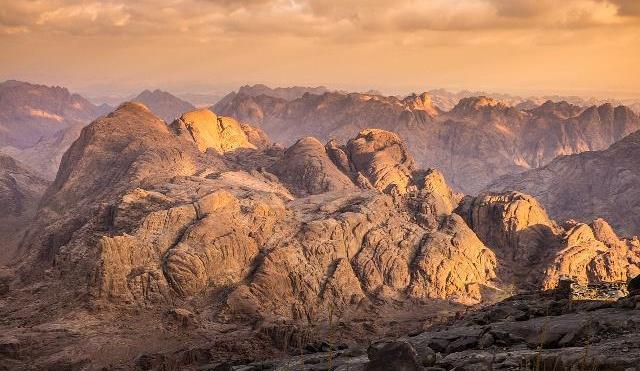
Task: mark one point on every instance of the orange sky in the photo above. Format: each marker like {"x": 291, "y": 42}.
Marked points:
{"x": 583, "y": 47}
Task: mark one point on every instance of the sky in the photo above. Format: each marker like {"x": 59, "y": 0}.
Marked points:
{"x": 577, "y": 47}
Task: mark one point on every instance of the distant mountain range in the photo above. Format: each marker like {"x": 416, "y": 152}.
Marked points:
{"x": 38, "y": 123}
{"x": 167, "y": 106}
{"x": 477, "y": 141}
{"x": 589, "y": 185}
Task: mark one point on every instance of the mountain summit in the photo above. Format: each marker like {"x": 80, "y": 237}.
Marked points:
{"x": 167, "y": 106}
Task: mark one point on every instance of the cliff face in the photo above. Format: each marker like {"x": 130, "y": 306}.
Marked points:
{"x": 474, "y": 143}
{"x": 600, "y": 184}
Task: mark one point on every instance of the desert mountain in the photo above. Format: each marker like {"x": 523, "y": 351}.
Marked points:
{"x": 477, "y": 141}
{"x": 599, "y": 184}
{"x": 446, "y": 100}
{"x": 165, "y": 105}
{"x": 30, "y": 112}
{"x": 38, "y": 123}
{"x": 20, "y": 191}
{"x": 203, "y": 223}
{"x": 44, "y": 157}
{"x": 288, "y": 94}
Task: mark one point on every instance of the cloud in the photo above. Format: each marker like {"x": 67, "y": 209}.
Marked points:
{"x": 330, "y": 19}
{"x": 627, "y": 7}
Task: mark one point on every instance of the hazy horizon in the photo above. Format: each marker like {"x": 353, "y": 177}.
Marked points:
{"x": 586, "y": 48}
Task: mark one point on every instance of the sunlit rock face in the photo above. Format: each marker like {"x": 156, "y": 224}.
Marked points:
{"x": 177, "y": 219}
{"x": 535, "y": 252}
{"x": 151, "y": 215}
{"x": 205, "y": 225}
{"x": 208, "y": 131}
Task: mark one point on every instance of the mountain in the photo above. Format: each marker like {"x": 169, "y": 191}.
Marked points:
{"x": 44, "y": 157}
{"x": 20, "y": 192}
{"x": 30, "y": 112}
{"x": 167, "y": 106}
{"x": 38, "y": 123}
{"x": 202, "y": 99}
{"x": 287, "y": 94}
{"x": 216, "y": 246}
{"x": 477, "y": 141}
{"x": 597, "y": 184}
{"x": 446, "y": 100}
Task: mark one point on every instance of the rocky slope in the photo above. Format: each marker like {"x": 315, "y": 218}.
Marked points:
{"x": 20, "y": 191}
{"x": 165, "y": 105}
{"x": 474, "y": 143}
{"x": 228, "y": 247}
{"x": 599, "y": 184}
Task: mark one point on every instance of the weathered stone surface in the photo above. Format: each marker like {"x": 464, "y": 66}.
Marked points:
{"x": 537, "y": 252}
{"x": 307, "y": 169}
{"x": 586, "y": 259}
{"x": 383, "y": 158}
{"x": 148, "y": 222}
{"x": 393, "y": 356}
{"x": 208, "y": 131}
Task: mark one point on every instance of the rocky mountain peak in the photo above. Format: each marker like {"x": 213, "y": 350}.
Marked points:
{"x": 382, "y": 157}
{"x": 209, "y": 131}
{"x": 165, "y": 105}
{"x": 421, "y": 102}
{"x": 472, "y": 105}
{"x": 561, "y": 109}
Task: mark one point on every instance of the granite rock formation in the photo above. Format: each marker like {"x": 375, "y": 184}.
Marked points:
{"x": 536, "y": 252}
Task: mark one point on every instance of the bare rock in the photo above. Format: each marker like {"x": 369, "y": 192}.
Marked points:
{"x": 587, "y": 259}
{"x": 383, "y": 158}
{"x": 307, "y": 169}
{"x": 181, "y": 317}
{"x": 397, "y": 355}
{"x": 208, "y": 131}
